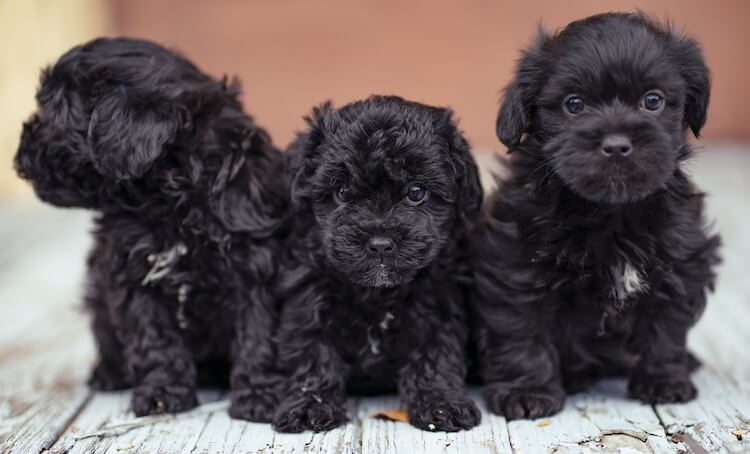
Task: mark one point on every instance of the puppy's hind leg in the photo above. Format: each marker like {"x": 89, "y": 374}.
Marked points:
{"x": 663, "y": 373}
{"x": 109, "y": 373}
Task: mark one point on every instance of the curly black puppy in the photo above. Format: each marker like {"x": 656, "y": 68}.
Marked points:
{"x": 190, "y": 200}
{"x": 594, "y": 258}
{"x": 373, "y": 294}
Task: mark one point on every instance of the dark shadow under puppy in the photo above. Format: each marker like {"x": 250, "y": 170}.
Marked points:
{"x": 190, "y": 204}
{"x": 374, "y": 287}
{"x": 593, "y": 258}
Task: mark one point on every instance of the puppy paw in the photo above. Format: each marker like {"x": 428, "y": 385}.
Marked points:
{"x": 256, "y": 405}
{"x": 105, "y": 379}
{"x": 152, "y": 400}
{"x": 444, "y": 414}
{"x": 661, "y": 390}
{"x": 526, "y": 403}
{"x": 301, "y": 413}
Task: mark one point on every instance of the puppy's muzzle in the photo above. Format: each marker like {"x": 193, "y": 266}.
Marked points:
{"x": 616, "y": 145}
{"x": 381, "y": 246}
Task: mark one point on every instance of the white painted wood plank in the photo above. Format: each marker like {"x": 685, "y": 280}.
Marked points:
{"x": 106, "y": 425}
{"x": 44, "y": 349}
{"x": 706, "y": 424}
{"x": 382, "y": 436}
{"x": 42, "y": 289}
{"x": 24, "y": 222}
{"x": 41, "y": 390}
{"x": 343, "y": 440}
{"x": 225, "y": 435}
{"x": 599, "y": 420}
{"x": 30, "y": 427}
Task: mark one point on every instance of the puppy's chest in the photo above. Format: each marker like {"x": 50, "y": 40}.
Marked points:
{"x": 372, "y": 342}
{"x": 604, "y": 269}
{"x": 196, "y": 281}
{"x": 626, "y": 281}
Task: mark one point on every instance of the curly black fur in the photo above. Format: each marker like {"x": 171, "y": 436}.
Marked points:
{"x": 190, "y": 200}
{"x": 374, "y": 316}
{"x": 595, "y": 261}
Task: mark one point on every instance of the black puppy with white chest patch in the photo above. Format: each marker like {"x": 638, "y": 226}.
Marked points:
{"x": 593, "y": 258}
{"x": 373, "y": 293}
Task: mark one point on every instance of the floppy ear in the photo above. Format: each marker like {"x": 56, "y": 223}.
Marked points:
{"x": 126, "y": 135}
{"x": 302, "y": 155}
{"x": 695, "y": 73}
{"x": 465, "y": 169}
{"x": 514, "y": 117}
{"x": 467, "y": 174}
{"x": 140, "y": 98}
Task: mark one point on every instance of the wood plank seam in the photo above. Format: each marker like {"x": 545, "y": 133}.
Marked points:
{"x": 68, "y": 422}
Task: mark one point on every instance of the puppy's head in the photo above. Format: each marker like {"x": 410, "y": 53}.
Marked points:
{"x": 610, "y": 99}
{"x": 107, "y": 112}
{"x": 386, "y": 181}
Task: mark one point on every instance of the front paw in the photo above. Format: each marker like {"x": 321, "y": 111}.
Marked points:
{"x": 524, "y": 403}
{"x": 661, "y": 390}
{"x": 153, "y": 400}
{"x": 301, "y": 413}
{"x": 444, "y": 414}
{"x": 256, "y": 405}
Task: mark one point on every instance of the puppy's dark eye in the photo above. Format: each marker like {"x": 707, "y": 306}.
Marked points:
{"x": 343, "y": 194}
{"x": 653, "y": 101}
{"x": 573, "y": 104}
{"x": 416, "y": 194}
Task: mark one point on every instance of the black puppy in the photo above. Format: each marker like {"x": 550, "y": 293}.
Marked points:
{"x": 189, "y": 195}
{"x": 373, "y": 294}
{"x": 594, "y": 259}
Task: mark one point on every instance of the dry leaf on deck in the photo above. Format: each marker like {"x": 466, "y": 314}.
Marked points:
{"x": 392, "y": 415}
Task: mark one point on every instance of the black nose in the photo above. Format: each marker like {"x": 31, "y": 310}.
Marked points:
{"x": 616, "y": 144}
{"x": 381, "y": 245}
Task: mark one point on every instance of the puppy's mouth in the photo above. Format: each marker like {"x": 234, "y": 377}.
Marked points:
{"x": 382, "y": 275}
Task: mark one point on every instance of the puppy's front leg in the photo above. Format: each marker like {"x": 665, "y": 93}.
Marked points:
{"x": 663, "y": 372}
{"x": 519, "y": 365}
{"x": 254, "y": 381}
{"x": 432, "y": 385}
{"x": 316, "y": 394}
{"x": 162, "y": 368}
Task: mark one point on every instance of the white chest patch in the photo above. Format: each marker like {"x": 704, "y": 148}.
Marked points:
{"x": 628, "y": 282}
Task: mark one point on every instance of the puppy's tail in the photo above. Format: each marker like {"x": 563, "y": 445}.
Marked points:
{"x": 107, "y": 110}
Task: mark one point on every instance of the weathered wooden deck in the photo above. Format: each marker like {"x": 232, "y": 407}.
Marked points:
{"x": 46, "y": 353}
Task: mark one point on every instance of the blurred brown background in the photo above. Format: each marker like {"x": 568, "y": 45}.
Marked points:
{"x": 293, "y": 54}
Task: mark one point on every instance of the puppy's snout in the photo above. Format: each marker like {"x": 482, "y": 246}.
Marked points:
{"x": 616, "y": 144}
{"x": 381, "y": 246}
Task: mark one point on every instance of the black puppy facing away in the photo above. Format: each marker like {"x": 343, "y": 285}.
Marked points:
{"x": 594, "y": 258}
{"x": 383, "y": 192}
{"x": 189, "y": 195}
